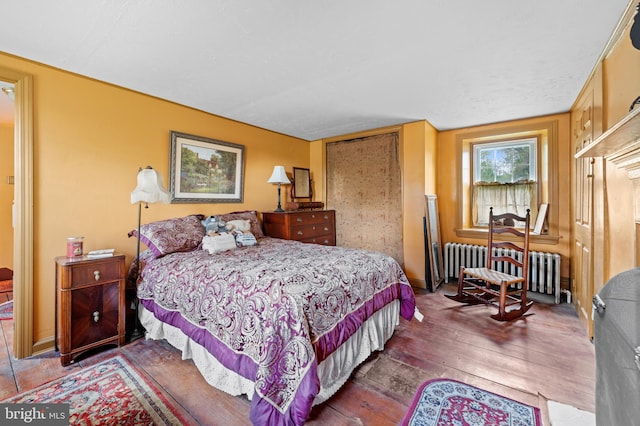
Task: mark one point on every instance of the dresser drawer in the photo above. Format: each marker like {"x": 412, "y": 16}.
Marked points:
{"x": 300, "y": 218}
{"x": 305, "y": 232}
{"x": 325, "y": 240}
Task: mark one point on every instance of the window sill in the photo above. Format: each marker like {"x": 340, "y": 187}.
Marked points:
{"x": 483, "y": 234}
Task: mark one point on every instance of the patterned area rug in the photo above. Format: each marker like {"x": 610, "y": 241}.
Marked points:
{"x": 6, "y": 310}
{"x": 111, "y": 392}
{"x": 442, "y": 402}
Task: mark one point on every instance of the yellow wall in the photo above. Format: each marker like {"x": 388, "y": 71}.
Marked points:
{"x": 621, "y": 71}
{"x": 6, "y": 196}
{"x": 447, "y": 188}
{"x": 418, "y": 141}
{"x": 90, "y": 138}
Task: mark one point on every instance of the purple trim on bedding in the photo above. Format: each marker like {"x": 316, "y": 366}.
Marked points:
{"x": 407, "y": 302}
{"x": 147, "y": 242}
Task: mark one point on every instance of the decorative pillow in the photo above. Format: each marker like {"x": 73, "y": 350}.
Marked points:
{"x": 219, "y": 243}
{"x": 171, "y": 235}
{"x": 239, "y": 225}
{"x": 245, "y": 239}
{"x": 250, "y": 215}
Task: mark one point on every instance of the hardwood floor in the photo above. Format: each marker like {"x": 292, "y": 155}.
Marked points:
{"x": 544, "y": 356}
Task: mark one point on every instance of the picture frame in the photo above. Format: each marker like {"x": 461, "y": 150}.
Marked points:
{"x": 204, "y": 170}
{"x": 301, "y": 187}
{"x": 434, "y": 267}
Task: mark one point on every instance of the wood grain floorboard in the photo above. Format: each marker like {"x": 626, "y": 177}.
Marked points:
{"x": 545, "y": 355}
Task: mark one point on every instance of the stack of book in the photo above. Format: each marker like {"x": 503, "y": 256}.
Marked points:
{"x": 304, "y": 205}
{"x": 97, "y": 254}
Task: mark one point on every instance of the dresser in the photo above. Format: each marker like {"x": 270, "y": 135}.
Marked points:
{"x": 90, "y": 304}
{"x": 316, "y": 226}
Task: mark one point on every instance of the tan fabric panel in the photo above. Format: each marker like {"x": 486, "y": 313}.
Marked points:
{"x": 364, "y": 188}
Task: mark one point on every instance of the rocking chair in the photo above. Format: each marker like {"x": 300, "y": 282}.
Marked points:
{"x": 503, "y": 283}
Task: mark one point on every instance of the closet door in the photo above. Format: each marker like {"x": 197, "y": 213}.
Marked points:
{"x": 588, "y": 256}
{"x": 582, "y": 274}
{"x": 364, "y": 188}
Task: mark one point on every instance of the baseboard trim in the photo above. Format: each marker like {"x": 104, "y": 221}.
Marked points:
{"x": 44, "y": 345}
{"x": 417, "y": 282}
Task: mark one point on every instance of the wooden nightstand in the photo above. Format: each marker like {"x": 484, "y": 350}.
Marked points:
{"x": 316, "y": 226}
{"x": 90, "y": 304}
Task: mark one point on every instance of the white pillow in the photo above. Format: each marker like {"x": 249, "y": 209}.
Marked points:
{"x": 239, "y": 225}
{"x": 218, "y": 243}
{"x": 245, "y": 239}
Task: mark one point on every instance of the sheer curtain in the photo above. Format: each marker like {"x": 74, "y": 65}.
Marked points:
{"x": 364, "y": 188}
{"x": 504, "y": 197}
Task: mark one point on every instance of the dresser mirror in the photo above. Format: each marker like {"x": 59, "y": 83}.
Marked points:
{"x": 301, "y": 187}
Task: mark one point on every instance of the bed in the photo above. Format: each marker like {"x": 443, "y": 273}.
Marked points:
{"x": 282, "y": 322}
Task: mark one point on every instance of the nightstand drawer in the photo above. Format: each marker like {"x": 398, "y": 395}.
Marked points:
{"x": 82, "y": 272}
{"x": 95, "y": 313}
{"x": 95, "y": 273}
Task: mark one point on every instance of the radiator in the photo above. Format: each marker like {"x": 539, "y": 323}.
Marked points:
{"x": 544, "y": 268}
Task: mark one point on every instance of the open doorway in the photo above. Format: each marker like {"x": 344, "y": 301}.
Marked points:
{"x": 22, "y": 212}
{"x": 7, "y": 140}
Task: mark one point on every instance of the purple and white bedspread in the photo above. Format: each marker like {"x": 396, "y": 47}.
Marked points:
{"x": 272, "y": 312}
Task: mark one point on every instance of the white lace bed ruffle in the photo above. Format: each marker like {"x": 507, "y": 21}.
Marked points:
{"x": 333, "y": 371}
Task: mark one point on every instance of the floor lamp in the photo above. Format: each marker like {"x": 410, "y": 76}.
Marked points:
{"x": 149, "y": 190}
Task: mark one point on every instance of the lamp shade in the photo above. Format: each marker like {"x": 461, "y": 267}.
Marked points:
{"x": 10, "y": 92}
{"x": 279, "y": 175}
{"x": 149, "y": 189}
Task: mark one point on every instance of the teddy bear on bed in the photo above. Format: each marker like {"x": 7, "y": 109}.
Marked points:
{"x": 214, "y": 226}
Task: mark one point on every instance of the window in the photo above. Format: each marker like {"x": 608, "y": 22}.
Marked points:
{"x": 510, "y": 169}
{"x": 505, "y": 178}
{"x": 505, "y": 162}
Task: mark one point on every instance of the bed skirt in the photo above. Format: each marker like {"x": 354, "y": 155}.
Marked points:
{"x": 333, "y": 372}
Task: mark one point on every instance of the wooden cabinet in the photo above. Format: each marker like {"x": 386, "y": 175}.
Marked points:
{"x": 90, "y": 304}
{"x": 317, "y": 226}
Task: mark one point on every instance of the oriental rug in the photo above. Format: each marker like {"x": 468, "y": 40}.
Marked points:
{"x": 6, "y": 310}
{"x": 442, "y": 402}
{"x": 111, "y": 392}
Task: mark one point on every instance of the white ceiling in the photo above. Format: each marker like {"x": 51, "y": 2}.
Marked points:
{"x": 315, "y": 69}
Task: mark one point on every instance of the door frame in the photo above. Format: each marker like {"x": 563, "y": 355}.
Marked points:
{"x": 22, "y": 214}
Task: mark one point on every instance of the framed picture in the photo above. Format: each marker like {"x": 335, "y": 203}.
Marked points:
{"x": 204, "y": 170}
{"x": 301, "y": 183}
{"x": 434, "y": 269}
